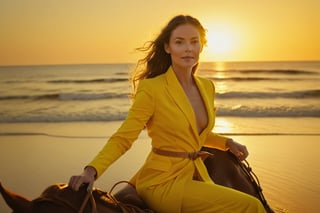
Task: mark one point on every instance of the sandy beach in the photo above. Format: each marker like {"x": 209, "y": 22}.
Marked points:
{"x": 287, "y": 165}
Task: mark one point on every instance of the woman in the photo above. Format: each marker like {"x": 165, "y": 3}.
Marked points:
{"x": 177, "y": 109}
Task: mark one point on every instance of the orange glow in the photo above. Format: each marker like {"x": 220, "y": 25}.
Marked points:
{"x": 64, "y": 32}
{"x": 221, "y": 43}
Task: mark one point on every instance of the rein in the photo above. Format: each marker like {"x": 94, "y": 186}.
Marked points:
{"x": 86, "y": 199}
{"x": 245, "y": 166}
{"x": 109, "y": 197}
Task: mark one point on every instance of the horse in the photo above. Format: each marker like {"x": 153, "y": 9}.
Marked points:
{"x": 224, "y": 168}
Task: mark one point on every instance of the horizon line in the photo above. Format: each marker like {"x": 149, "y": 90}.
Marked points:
{"x": 130, "y": 63}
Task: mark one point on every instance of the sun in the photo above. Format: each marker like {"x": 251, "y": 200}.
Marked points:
{"x": 221, "y": 44}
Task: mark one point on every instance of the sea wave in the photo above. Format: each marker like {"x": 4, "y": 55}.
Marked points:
{"x": 266, "y": 95}
{"x": 269, "y": 111}
{"x": 67, "y": 81}
{"x": 62, "y": 117}
{"x": 227, "y": 95}
{"x": 118, "y": 114}
{"x": 81, "y": 81}
{"x": 66, "y": 96}
{"x": 264, "y": 71}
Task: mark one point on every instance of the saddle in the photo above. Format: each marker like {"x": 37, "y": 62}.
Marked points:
{"x": 125, "y": 201}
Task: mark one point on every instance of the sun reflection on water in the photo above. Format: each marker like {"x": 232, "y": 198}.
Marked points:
{"x": 220, "y": 74}
{"x": 222, "y": 125}
{"x": 221, "y": 87}
{"x": 219, "y": 66}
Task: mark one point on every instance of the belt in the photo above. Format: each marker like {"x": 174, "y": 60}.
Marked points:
{"x": 191, "y": 155}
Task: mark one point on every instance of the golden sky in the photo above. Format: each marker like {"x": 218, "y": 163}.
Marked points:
{"x": 108, "y": 31}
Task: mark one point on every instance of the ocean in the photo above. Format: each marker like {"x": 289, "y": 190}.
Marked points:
{"x": 245, "y": 91}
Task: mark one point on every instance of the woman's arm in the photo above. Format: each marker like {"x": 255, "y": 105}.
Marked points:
{"x": 224, "y": 143}
{"x": 138, "y": 115}
{"x": 121, "y": 141}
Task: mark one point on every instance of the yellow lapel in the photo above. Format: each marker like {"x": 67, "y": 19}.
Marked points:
{"x": 176, "y": 91}
{"x": 208, "y": 102}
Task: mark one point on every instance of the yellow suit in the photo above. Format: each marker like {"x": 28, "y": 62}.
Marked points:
{"x": 162, "y": 106}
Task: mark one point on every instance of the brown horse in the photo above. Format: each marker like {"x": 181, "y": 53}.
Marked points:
{"x": 224, "y": 169}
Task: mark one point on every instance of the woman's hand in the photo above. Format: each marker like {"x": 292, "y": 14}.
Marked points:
{"x": 237, "y": 149}
{"x": 87, "y": 176}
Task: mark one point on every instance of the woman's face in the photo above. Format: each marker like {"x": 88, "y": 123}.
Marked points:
{"x": 184, "y": 46}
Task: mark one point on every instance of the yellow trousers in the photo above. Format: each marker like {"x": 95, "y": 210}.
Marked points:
{"x": 210, "y": 198}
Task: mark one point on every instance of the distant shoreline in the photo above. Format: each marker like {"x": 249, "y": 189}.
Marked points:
{"x": 133, "y": 63}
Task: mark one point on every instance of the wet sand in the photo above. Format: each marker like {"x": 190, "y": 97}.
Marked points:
{"x": 34, "y": 156}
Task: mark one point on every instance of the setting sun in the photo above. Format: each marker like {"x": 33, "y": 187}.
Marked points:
{"x": 221, "y": 43}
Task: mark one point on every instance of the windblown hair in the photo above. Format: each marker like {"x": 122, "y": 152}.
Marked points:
{"x": 157, "y": 60}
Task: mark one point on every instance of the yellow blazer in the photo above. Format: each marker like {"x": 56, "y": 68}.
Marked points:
{"x": 162, "y": 106}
